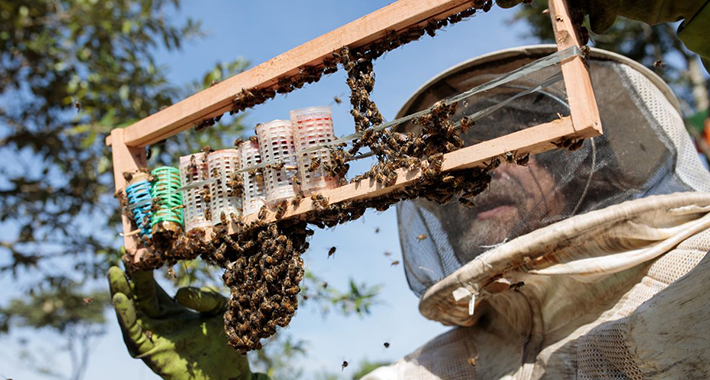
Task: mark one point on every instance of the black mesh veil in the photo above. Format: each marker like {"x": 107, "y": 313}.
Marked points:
{"x": 644, "y": 151}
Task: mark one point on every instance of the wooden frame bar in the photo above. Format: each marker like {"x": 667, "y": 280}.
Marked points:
{"x": 584, "y": 121}
{"x": 217, "y": 99}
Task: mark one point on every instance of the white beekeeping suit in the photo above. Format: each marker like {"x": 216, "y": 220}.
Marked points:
{"x": 580, "y": 265}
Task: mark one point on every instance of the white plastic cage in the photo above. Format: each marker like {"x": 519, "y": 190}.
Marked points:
{"x": 254, "y": 195}
{"x": 193, "y": 169}
{"x": 313, "y": 126}
{"x": 276, "y": 144}
{"x": 222, "y": 164}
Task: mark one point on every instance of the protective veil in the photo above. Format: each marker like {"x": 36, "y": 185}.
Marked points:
{"x": 578, "y": 265}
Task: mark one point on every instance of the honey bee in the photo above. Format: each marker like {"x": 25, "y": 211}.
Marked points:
{"x": 509, "y": 157}
{"x": 387, "y": 345}
{"x": 262, "y": 212}
{"x": 523, "y": 160}
{"x": 377, "y": 230}
{"x": 395, "y": 263}
{"x": 576, "y": 145}
{"x": 472, "y": 361}
{"x": 331, "y": 251}
{"x": 337, "y": 100}
{"x": 88, "y": 300}
{"x": 421, "y": 237}
{"x": 279, "y": 165}
{"x": 388, "y": 253}
{"x": 659, "y": 64}
{"x": 324, "y": 285}
{"x": 315, "y": 163}
{"x": 342, "y": 366}
{"x": 281, "y": 209}
{"x": 516, "y": 287}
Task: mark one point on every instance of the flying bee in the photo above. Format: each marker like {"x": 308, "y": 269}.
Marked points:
{"x": 387, "y": 253}
{"x": 377, "y": 230}
{"x": 472, "y": 361}
{"x": 387, "y": 345}
{"x": 331, "y": 251}
{"x": 337, "y": 100}
{"x": 395, "y": 263}
{"x": 342, "y": 366}
{"x": 421, "y": 237}
{"x": 516, "y": 287}
{"x": 87, "y": 300}
{"x": 659, "y": 64}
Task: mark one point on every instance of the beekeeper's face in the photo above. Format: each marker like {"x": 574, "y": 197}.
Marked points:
{"x": 514, "y": 192}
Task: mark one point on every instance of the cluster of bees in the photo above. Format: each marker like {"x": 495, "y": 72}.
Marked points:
{"x": 262, "y": 262}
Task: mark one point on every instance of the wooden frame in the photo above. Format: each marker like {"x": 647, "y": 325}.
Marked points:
{"x": 128, "y": 143}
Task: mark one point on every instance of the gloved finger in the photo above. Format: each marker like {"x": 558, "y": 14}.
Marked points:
{"x": 146, "y": 293}
{"x": 137, "y": 342}
{"x": 601, "y": 18}
{"x": 508, "y": 3}
{"x": 118, "y": 283}
{"x": 203, "y": 300}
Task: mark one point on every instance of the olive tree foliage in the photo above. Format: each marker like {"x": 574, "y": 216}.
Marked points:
{"x": 72, "y": 70}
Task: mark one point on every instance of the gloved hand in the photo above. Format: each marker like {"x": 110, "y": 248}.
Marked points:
{"x": 603, "y": 13}
{"x": 178, "y": 339}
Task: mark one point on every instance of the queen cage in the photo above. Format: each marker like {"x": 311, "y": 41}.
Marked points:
{"x": 253, "y": 195}
{"x": 276, "y": 144}
{"x": 168, "y": 214}
{"x": 138, "y": 197}
{"x": 222, "y": 164}
{"x": 313, "y": 126}
{"x": 193, "y": 170}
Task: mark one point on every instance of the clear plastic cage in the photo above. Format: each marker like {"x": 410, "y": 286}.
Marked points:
{"x": 276, "y": 144}
{"x": 193, "y": 169}
{"x": 222, "y": 164}
{"x": 254, "y": 194}
{"x": 313, "y": 126}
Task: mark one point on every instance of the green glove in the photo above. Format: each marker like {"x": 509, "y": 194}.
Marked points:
{"x": 178, "y": 339}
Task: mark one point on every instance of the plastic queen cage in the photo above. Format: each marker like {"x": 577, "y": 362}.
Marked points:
{"x": 276, "y": 145}
{"x": 313, "y": 126}
{"x": 168, "y": 214}
{"x": 193, "y": 168}
{"x": 222, "y": 164}
{"x": 139, "y": 199}
{"x": 253, "y": 195}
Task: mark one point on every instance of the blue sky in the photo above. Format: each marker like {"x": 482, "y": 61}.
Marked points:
{"x": 258, "y": 31}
